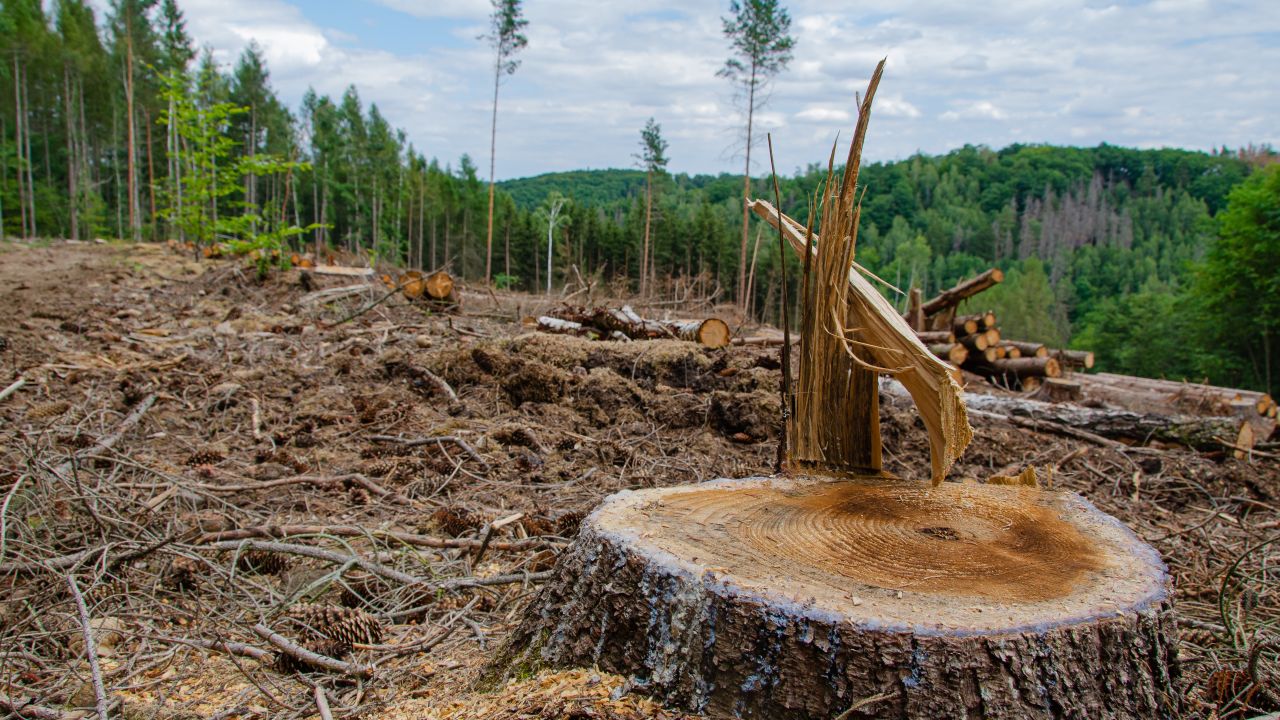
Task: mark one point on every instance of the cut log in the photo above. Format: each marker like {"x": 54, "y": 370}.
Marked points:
{"x": 712, "y": 332}
{"x": 1201, "y": 433}
{"x": 950, "y": 298}
{"x": 1011, "y": 351}
{"x": 625, "y": 323}
{"x": 1000, "y": 352}
{"x": 993, "y": 336}
{"x": 965, "y": 326}
{"x": 1027, "y": 367}
{"x": 343, "y": 270}
{"x": 954, "y": 353}
{"x": 1074, "y": 358}
{"x": 1031, "y": 384}
{"x": 412, "y": 284}
{"x": 799, "y": 599}
{"x": 1172, "y": 397}
{"x": 936, "y": 337}
{"x": 1029, "y": 349}
{"x": 980, "y": 321}
{"x": 976, "y": 342}
{"x": 439, "y": 286}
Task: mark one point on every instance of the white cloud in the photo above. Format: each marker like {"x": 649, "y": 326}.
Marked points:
{"x": 981, "y": 109}
{"x": 823, "y": 115}
{"x": 1062, "y": 71}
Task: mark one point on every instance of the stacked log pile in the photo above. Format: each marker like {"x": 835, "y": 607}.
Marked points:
{"x": 605, "y": 323}
{"x": 974, "y": 343}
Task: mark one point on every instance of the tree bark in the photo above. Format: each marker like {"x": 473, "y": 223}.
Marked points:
{"x": 493, "y": 146}
{"x": 801, "y": 599}
{"x": 950, "y": 298}
{"x": 1201, "y": 433}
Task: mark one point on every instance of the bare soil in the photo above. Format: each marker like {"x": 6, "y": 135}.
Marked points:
{"x": 280, "y": 421}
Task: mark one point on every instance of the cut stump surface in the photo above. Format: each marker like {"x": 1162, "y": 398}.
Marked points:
{"x": 794, "y": 598}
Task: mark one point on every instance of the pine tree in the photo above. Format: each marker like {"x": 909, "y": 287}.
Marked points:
{"x": 506, "y": 35}
{"x": 653, "y": 159}
{"x": 758, "y": 31}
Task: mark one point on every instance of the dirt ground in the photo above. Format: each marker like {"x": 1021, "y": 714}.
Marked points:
{"x": 422, "y": 469}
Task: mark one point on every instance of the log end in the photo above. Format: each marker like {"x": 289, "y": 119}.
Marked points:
{"x": 714, "y": 333}
{"x": 439, "y": 285}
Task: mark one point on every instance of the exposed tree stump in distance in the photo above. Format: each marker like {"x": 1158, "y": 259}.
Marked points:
{"x": 796, "y": 599}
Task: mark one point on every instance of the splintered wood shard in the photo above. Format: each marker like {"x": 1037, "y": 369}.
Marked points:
{"x": 891, "y": 344}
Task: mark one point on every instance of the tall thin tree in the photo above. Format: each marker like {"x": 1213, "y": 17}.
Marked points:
{"x": 759, "y": 33}
{"x": 506, "y": 35}
{"x": 653, "y": 158}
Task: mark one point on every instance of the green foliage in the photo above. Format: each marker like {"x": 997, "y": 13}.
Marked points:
{"x": 1239, "y": 282}
{"x": 653, "y": 148}
{"x": 503, "y": 281}
{"x": 758, "y": 31}
{"x": 506, "y": 34}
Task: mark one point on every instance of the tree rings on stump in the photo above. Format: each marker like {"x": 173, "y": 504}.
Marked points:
{"x": 802, "y": 598}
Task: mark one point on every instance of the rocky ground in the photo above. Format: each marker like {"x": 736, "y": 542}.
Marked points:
{"x": 212, "y": 472}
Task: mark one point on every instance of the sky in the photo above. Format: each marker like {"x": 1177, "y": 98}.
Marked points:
{"x": 1165, "y": 73}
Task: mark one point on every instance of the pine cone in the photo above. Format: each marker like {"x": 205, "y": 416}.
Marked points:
{"x": 343, "y": 625}
{"x": 535, "y": 526}
{"x": 287, "y": 663}
{"x": 184, "y": 573}
{"x": 456, "y": 521}
{"x": 262, "y": 562}
{"x": 45, "y": 411}
{"x": 567, "y": 524}
{"x": 207, "y": 456}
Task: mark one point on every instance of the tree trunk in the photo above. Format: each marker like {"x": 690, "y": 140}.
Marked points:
{"x": 493, "y": 147}
{"x": 799, "y": 599}
{"x": 135, "y": 227}
{"x": 17, "y": 134}
{"x": 72, "y": 155}
{"x": 950, "y": 298}
{"x": 746, "y": 194}
{"x": 644, "y": 255}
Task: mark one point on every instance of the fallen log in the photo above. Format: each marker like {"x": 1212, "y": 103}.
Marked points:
{"x": 976, "y": 342}
{"x": 624, "y": 323}
{"x": 711, "y": 332}
{"x": 439, "y": 286}
{"x": 966, "y": 325}
{"x": 1194, "y": 432}
{"x": 950, "y": 298}
{"x": 1025, "y": 367}
{"x": 1173, "y": 397}
{"x": 1075, "y": 359}
{"x": 1011, "y": 351}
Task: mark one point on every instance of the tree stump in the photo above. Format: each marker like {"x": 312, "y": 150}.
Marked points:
{"x": 803, "y": 598}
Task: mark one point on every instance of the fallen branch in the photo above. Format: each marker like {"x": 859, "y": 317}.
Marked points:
{"x": 412, "y": 539}
{"x": 26, "y": 708}
{"x": 90, "y": 648}
{"x": 438, "y": 439}
{"x": 106, "y": 442}
{"x": 308, "y": 657}
{"x": 13, "y": 388}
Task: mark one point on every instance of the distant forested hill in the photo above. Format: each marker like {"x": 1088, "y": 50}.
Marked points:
{"x": 1099, "y": 244}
